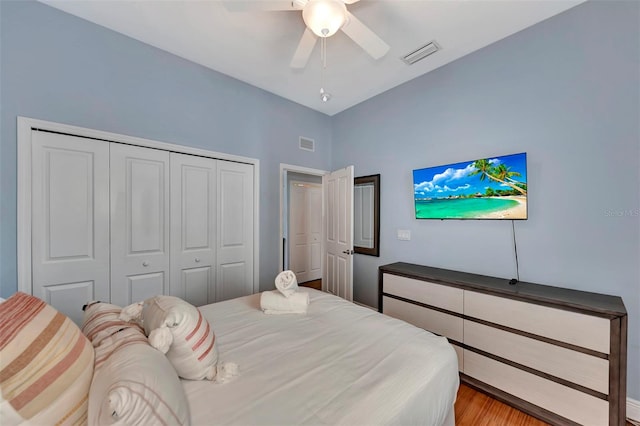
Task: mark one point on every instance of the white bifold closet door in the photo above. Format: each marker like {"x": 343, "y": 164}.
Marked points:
{"x": 193, "y": 228}
{"x": 121, "y": 223}
{"x": 211, "y": 229}
{"x": 139, "y": 223}
{"x": 70, "y": 221}
{"x": 234, "y": 275}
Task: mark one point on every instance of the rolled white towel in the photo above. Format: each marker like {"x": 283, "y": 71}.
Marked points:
{"x": 287, "y": 283}
{"x": 272, "y": 302}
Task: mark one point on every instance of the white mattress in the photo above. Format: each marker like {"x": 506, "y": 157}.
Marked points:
{"x": 338, "y": 364}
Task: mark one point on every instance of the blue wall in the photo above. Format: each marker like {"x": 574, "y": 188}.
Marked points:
{"x": 567, "y": 92}
{"x": 60, "y": 68}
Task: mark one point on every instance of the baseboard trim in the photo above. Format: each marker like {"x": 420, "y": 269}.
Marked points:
{"x": 633, "y": 410}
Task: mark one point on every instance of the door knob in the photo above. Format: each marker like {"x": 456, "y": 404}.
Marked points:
{"x": 197, "y": 259}
{"x": 145, "y": 263}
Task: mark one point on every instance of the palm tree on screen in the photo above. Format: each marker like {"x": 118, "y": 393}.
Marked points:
{"x": 500, "y": 173}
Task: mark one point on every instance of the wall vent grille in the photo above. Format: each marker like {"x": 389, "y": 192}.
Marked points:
{"x": 421, "y": 53}
{"x": 307, "y": 144}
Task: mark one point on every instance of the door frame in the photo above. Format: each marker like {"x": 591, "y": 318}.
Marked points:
{"x": 26, "y": 125}
{"x": 284, "y": 169}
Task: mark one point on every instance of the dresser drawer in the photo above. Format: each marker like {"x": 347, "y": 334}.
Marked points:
{"x": 586, "y": 331}
{"x": 440, "y": 296}
{"x": 434, "y": 321}
{"x": 575, "y": 367}
{"x": 566, "y": 402}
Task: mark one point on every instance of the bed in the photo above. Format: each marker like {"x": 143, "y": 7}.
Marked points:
{"x": 338, "y": 364}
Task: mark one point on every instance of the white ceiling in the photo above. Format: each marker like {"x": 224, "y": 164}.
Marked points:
{"x": 256, "y": 47}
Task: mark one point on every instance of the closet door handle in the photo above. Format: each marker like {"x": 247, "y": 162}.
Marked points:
{"x": 197, "y": 259}
{"x": 145, "y": 263}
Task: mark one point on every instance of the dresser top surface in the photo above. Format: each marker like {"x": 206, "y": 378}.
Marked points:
{"x": 549, "y": 295}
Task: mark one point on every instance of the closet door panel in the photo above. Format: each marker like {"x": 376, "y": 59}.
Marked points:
{"x": 70, "y": 221}
{"x": 234, "y": 269}
{"x": 139, "y": 223}
{"x": 193, "y": 228}
{"x": 144, "y": 286}
{"x": 197, "y": 285}
{"x": 232, "y": 278}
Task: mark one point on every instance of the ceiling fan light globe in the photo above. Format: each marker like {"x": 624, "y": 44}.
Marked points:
{"x": 324, "y": 17}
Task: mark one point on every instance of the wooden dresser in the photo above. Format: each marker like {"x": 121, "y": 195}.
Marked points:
{"x": 555, "y": 353}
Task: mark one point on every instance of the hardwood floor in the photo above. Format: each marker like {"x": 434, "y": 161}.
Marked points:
{"x": 317, "y": 284}
{"x": 474, "y": 408}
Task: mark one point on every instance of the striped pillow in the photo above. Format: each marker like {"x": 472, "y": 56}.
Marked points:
{"x": 135, "y": 384}
{"x": 46, "y": 364}
{"x": 102, "y": 320}
{"x": 178, "y": 329}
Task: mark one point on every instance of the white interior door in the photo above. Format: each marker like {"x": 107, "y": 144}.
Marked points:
{"x": 193, "y": 228}
{"x": 234, "y": 268}
{"x": 70, "y": 221}
{"x": 139, "y": 223}
{"x": 305, "y": 230}
{"x": 338, "y": 266}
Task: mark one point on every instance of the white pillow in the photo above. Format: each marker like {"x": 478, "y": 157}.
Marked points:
{"x": 178, "y": 329}
{"x": 134, "y": 384}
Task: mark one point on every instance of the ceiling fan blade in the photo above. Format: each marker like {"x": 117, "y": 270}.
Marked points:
{"x": 303, "y": 52}
{"x": 262, "y": 5}
{"x": 367, "y": 39}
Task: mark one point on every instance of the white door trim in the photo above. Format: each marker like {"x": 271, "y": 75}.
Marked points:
{"x": 284, "y": 169}
{"x": 24, "y": 127}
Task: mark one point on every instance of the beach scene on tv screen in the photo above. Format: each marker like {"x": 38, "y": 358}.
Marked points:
{"x": 487, "y": 188}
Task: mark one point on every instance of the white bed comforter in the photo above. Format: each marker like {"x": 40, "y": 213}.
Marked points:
{"x": 338, "y": 364}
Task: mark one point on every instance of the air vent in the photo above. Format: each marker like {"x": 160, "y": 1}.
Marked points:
{"x": 307, "y": 144}
{"x": 421, "y": 53}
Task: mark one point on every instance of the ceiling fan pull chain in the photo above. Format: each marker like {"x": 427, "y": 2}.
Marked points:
{"x": 324, "y": 96}
{"x": 323, "y": 52}
{"x": 322, "y": 64}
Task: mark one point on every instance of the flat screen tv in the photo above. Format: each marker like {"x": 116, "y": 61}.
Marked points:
{"x": 487, "y": 188}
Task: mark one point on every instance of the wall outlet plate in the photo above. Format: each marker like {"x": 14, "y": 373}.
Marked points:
{"x": 404, "y": 234}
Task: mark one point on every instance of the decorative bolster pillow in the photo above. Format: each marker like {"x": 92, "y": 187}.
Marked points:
{"x": 134, "y": 384}
{"x": 177, "y": 328}
{"x": 46, "y": 364}
{"x": 102, "y": 320}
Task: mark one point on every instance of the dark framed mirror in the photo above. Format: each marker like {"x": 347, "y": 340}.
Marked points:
{"x": 366, "y": 215}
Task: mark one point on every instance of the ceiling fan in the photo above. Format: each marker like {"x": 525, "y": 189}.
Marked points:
{"x": 323, "y": 19}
